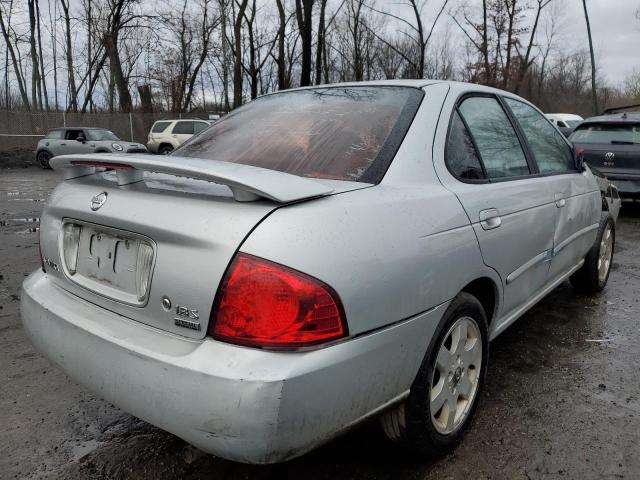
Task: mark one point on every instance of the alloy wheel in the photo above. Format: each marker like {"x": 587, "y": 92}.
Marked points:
{"x": 456, "y": 375}
{"x": 605, "y": 254}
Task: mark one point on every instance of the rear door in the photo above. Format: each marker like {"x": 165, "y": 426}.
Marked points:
{"x": 511, "y": 210}
{"x": 575, "y": 194}
{"x": 183, "y": 130}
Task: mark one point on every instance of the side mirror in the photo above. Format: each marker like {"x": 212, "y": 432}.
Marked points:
{"x": 579, "y": 158}
{"x": 81, "y": 139}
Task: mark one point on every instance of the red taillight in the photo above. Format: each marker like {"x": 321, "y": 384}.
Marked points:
{"x": 110, "y": 165}
{"x": 266, "y": 304}
{"x": 579, "y": 150}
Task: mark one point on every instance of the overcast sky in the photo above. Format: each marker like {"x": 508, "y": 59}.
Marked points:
{"x": 615, "y": 30}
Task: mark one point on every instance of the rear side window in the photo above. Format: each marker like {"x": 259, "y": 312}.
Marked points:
{"x": 497, "y": 142}
{"x": 159, "y": 127}
{"x": 610, "y": 133}
{"x": 54, "y": 135}
{"x": 185, "y": 128}
{"x": 461, "y": 157}
{"x": 341, "y": 133}
{"x": 199, "y": 126}
{"x": 549, "y": 148}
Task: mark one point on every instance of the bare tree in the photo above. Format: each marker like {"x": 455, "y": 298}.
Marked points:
{"x": 5, "y": 27}
{"x": 418, "y": 36}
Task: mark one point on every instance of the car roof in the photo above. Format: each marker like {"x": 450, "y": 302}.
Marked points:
{"x": 181, "y": 120}
{"x": 563, "y": 116}
{"x": 627, "y": 117}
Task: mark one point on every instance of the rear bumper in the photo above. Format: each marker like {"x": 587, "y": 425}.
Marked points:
{"x": 153, "y": 146}
{"x": 242, "y": 404}
{"x": 628, "y": 186}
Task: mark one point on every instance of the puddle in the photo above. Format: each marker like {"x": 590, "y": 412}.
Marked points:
{"x": 20, "y": 221}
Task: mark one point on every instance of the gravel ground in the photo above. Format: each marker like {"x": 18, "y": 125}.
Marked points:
{"x": 562, "y": 398}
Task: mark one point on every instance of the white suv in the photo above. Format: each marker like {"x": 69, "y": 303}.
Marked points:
{"x": 166, "y": 135}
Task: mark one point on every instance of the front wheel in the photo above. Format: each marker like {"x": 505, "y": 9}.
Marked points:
{"x": 43, "y": 158}
{"x": 445, "y": 392}
{"x": 592, "y": 277}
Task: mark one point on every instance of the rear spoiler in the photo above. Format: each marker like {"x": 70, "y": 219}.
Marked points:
{"x": 247, "y": 183}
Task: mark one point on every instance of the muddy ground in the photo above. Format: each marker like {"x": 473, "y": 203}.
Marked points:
{"x": 562, "y": 399}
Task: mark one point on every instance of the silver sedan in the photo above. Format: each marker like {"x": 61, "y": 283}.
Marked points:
{"x": 317, "y": 257}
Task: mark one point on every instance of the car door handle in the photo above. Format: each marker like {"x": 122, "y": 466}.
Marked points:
{"x": 490, "y": 219}
{"x": 63, "y": 144}
{"x": 560, "y": 201}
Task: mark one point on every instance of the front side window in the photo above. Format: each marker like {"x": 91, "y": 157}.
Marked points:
{"x": 608, "y": 133}
{"x": 497, "y": 142}
{"x": 184, "y": 128}
{"x": 549, "y": 147}
{"x": 340, "y": 133}
{"x": 73, "y": 134}
{"x": 461, "y": 157}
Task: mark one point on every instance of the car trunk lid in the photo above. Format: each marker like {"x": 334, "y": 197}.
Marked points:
{"x": 176, "y": 235}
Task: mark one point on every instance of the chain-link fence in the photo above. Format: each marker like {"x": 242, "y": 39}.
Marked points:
{"x": 21, "y": 130}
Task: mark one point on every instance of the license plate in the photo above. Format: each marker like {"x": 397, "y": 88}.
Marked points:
{"x": 109, "y": 263}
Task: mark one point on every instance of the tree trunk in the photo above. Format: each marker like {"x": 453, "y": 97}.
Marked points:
{"x": 320, "y": 49}
{"x": 281, "y": 61}
{"x": 111, "y": 45}
{"x": 304, "y": 10}
{"x": 43, "y": 81}
{"x": 36, "y": 100}
{"x": 225, "y": 56}
{"x": 73, "y": 104}
{"x": 594, "y": 91}
{"x": 237, "y": 61}
{"x": 145, "y": 98}
{"x": 485, "y": 45}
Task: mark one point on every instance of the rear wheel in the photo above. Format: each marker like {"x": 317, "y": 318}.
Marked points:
{"x": 594, "y": 274}
{"x": 446, "y": 390}
{"x": 165, "y": 150}
{"x": 43, "y": 158}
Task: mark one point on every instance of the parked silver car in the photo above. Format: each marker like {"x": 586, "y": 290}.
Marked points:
{"x": 317, "y": 257}
{"x": 75, "y": 140}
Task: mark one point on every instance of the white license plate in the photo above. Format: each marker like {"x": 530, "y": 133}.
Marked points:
{"x": 108, "y": 263}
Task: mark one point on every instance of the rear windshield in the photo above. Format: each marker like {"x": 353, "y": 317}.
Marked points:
{"x": 573, "y": 123}
{"x": 159, "y": 127}
{"x": 101, "y": 134}
{"x": 606, "y": 133}
{"x": 341, "y": 133}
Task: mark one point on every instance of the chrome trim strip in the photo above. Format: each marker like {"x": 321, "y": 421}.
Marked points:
{"x": 574, "y": 237}
{"x": 541, "y": 257}
{"x": 532, "y": 301}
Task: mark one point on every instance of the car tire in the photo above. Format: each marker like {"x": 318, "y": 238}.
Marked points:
{"x": 42, "y": 158}
{"x": 165, "y": 150}
{"x": 592, "y": 277}
{"x": 413, "y": 424}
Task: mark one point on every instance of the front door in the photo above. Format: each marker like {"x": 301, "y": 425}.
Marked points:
{"x": 575, "y": 194}
{"x": 71, "y": 145}
{"x": 511, "y": 210}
